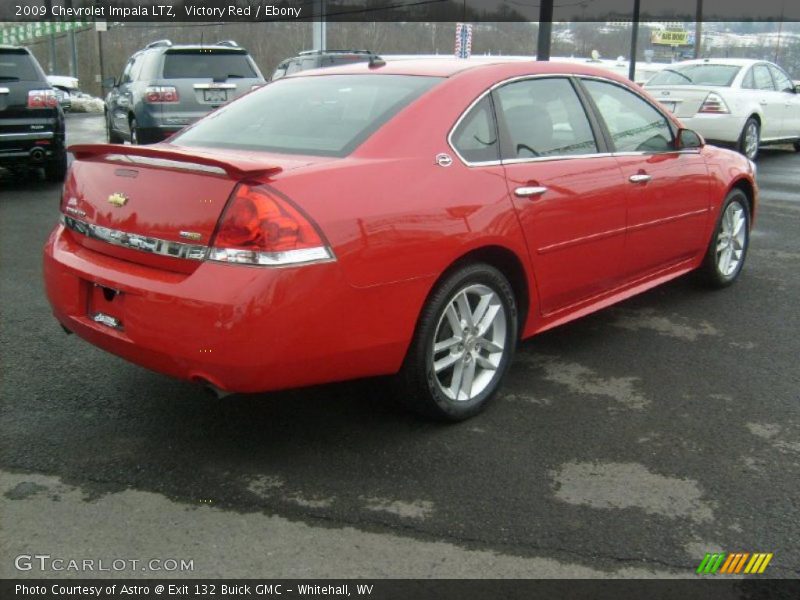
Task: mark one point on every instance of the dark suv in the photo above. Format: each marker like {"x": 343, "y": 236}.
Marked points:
{"x": 317, "y": 59}
{"x": 165, "y": 87}
{"x": 31, "y": 120}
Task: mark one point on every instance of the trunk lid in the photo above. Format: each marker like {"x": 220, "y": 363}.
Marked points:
{"x": 682, "y": 100}
{"x": 156, "y": 205}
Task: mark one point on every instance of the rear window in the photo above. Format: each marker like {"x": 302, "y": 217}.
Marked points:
{"x": 17, "y": 65}
{"x": 325, "y": 116}
{"x": 196, "y": 64}
{"x": 717, "y": 75}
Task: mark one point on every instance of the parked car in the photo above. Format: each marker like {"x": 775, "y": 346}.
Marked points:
{"x": 31, "y": 120}
{"x": 736, "y": 102}
{"x": 317, "y": 59}
{"x": 415, "y": 219}
{"x": 165, "y": 87}
{"x": 64, "y": 86}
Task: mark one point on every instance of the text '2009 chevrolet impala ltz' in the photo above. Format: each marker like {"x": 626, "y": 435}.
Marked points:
{"x": 412, "y": 218}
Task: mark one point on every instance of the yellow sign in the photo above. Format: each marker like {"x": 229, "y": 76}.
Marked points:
{"x": 670, "y": 38}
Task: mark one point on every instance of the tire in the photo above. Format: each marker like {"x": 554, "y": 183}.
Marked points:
{"x": 717, "y": 270}
{"x": 436, "y": 393}
{"x": 134, "y": 133}
{"x": 56, "y": 169}
{"x": 113, "y": 136}
{"x": 750, "y": 139}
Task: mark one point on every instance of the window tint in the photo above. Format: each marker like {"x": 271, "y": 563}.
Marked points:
{"x": 703, "y": 74}
{"x": 634, "y": 124}
{"x": 193, "y": 64}
{"x": 327, "y": 116}
{"x": 762, "y": 78}
{"x": 782, "y": 81}
{"x": 475, "y": 138}
{"x": 126, "y": 72}
{"x": 17, "y": 65}
{"x": 543, "y": 117}
{"x": 747, "y": 82}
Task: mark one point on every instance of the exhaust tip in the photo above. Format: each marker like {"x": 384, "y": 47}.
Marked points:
{"x": 212, "y": 389}
{"x": 37, "y": 155}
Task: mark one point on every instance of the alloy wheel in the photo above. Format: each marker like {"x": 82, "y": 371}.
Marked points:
{"x": 469, "y": 342}
{"x": 731, "y": 239}
{"x": 751, "y": 140}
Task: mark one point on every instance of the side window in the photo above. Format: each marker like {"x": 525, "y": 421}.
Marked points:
{"x": 747, "y": 82}
{"x": 126, "y": 72}
{"x": 136, "y": 68}
{"x": 782, "y": 81}
{"x": 762, "y": 78}
{"x": 634, "y": 124}
{"x": 293, "y": 67}
{"x": 542, "y": 117}
{"x": 475, "y": 138}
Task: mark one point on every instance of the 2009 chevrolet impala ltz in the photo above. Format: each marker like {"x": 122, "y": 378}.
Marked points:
{"x": 414, "y": 218}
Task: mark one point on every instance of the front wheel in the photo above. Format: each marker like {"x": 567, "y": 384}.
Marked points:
{"x": 463, "y": 345}
{"x": 728, "y": 247}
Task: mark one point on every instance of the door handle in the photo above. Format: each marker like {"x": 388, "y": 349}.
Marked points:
{"x": 529, "y": 192}
{"x": 640, "y": 178}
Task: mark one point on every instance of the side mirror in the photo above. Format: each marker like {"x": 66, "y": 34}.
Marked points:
{"x": 687, "y": 139}
{"x": 109, "y": 82}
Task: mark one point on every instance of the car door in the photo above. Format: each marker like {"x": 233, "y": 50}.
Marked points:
{"x": 770, "y": 101}
{"x": 119, "y": 99}
{"x": 668, "y": 194}
{"x": 790, "y": 123}
{"x": 568, "y": 192}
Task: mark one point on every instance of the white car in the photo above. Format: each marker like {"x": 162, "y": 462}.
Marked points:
{"x": 739, "y": 102}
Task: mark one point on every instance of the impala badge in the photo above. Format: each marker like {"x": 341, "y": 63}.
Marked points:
{"x": 190, "y": 235}
{"x": 118, "y": 199}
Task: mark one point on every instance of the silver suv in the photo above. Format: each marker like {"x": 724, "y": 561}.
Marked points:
{"x": 165, "y": 87}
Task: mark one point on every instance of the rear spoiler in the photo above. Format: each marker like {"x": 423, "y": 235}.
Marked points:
{"x": 234, "y": 167}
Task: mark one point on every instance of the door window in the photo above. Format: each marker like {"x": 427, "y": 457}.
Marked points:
{"x": 475, "y": 138}
{"x": 635, "y": 125}
{"x": 126, "y": 72}
{"x": 542, "y": 118}
{"x": 782, "y": 81}
{"x": 762, "y": 78}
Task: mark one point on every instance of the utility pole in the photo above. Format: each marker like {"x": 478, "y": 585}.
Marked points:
{"x": 545, "y": 30}
{"x": 319, "y": 31}
{"x": 51, "y": 61}
{"x": 698, "y": 29}
{"x": 73, "y": 48}
{"x": 634, "y": 41}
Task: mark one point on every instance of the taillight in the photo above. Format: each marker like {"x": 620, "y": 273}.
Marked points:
{"x": 42, "y": 99}
{"x": 714, "y": 104}
{"x": 160, "y": 93}
{"x": 258, "y": 228}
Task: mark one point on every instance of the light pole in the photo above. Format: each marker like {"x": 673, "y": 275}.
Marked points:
{"x": 634, "y": 40}
{"x": 545, "y": 30}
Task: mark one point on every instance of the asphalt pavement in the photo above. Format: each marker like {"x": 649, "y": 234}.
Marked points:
{"x": 626, "y": 444}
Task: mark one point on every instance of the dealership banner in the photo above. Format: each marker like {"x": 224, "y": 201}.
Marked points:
{"x": 388, "y": 10}
{"x": 400, "y": 589}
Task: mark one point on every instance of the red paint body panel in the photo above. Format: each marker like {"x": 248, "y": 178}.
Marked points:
{"x": 395, "y": 221}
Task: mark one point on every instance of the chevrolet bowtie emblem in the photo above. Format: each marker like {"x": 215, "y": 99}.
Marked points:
{"x": 118, "y": 199}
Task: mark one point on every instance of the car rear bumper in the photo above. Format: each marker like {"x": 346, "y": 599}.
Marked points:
{"x": 30, "y": 147}
{"x": 716, "y": 128}
{"x": 239, "y": 328}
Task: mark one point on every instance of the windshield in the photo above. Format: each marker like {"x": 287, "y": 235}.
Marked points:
{"x": 704, "y": 74}
{"x": 17, "y": 65}
{"x": 195, "y": 64}
{"x": 324, "y": 115}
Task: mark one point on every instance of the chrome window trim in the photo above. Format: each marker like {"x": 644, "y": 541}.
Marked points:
{"x": 535, "y": 159}
{"x": 34, "y": 135}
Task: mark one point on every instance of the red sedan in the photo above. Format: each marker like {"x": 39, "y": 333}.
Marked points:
{"x": 415, "y": 218}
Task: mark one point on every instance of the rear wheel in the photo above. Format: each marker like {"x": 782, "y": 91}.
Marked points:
{"x": 728, "y": 247}
{"x": 56, "y": 169}
{"x": 463, "y": 345}
{"x": 750, "y": 139}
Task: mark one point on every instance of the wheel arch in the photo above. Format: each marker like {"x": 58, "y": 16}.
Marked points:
{"x": 505, "y": 260}
{"x": 747, "y": 187}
